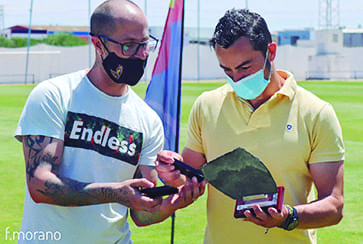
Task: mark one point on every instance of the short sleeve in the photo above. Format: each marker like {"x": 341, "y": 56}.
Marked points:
{"x": 154, "y": 142}
{"x": 194, "y": 136}
{"x": 327, "y": 139}
{"x": 43, "y": 113}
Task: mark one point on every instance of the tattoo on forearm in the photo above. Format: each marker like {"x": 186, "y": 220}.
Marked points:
{"x": 62, "y": 190}
{"x": 75, "y": 193}
{"x": 53, "y": 191}
{"x": 123, "y": 198}
{"x": 109, "y": 194}
{"x": 67, "y": 191}
{"x": 147, "y": 217}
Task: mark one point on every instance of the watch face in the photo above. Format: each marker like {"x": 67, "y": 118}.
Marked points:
{"x": 293, "y": 224}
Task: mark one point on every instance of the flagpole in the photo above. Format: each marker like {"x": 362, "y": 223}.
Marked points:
{"x": 180, "y": 83}
{"x": 28, "y": 45}
{"x": 178, "y": 111}
{"x": 89, "y": 36}
{"x": 145, "y": 11}
{"x": 198, "y": 47}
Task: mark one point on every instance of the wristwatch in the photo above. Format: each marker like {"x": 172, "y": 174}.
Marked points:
{"x": 292, "y": 219}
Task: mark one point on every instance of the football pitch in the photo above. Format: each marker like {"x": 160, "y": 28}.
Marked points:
{"x": 346, "y": 98}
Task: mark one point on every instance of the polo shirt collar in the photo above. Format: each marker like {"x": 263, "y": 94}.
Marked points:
{"x": 290, "y": 86}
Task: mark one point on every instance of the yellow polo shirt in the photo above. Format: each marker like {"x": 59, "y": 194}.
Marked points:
{"x": 293, "y": 129}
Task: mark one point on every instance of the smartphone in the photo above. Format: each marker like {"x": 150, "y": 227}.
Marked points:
{"x": 159, "y": 191}
{"x": 188, "y": 170}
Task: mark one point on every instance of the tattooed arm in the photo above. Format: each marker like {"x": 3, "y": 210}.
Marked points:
{"x": 43, "y": 157}
{"x": 188, "y": 193}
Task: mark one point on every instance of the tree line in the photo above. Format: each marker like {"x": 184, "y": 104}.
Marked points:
{"x": 58, "y": 39}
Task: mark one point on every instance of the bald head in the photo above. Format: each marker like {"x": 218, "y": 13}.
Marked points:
{"x": 112, "y": 13}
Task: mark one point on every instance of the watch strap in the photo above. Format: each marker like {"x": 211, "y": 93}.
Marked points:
{"x": 292, "y": 219}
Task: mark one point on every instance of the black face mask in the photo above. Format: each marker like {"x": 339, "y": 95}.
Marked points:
{"x": 124, "y": 70}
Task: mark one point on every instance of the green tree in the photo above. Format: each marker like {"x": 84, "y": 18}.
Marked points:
{"x": 59, "y": 39}
{"x": 64, "y": 39}
{"x": 5, "y": 42}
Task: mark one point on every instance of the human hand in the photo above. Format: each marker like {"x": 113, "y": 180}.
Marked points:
{"x": 188, "y": 193}
{"x": 268, "y": 220}
{"x": 128, "y": 194}
{"x": 166, "y": 169}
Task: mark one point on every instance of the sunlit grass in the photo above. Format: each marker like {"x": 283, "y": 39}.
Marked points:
{"x": 346, "y": 98}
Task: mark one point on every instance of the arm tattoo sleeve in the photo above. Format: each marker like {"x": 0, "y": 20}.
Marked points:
{"x": 60, "y": 189}
{"x": 36, "y": 158}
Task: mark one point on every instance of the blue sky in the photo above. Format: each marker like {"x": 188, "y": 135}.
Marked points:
{"x": 280, "y": 14}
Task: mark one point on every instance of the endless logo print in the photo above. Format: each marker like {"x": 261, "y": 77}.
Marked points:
{"x": 105, "y": 137}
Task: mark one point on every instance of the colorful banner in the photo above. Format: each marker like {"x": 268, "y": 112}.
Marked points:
{"x": 164, "y": 91}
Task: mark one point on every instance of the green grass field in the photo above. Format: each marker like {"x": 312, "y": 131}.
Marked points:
{"x": 346, "y": 97}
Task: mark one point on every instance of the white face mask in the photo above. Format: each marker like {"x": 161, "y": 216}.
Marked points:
{"x": 253, "y": 85}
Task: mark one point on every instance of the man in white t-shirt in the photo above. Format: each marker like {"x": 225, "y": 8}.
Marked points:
{"x": 87, "y": 135}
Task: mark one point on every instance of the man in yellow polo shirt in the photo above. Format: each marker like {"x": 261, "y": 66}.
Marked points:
{"x": 295, "y": 134}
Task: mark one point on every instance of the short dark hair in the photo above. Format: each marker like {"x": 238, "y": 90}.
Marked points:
{"x": 237, "y": 23}
{"x": 103, "y": 20}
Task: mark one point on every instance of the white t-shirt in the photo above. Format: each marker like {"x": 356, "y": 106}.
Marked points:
{"x": 105, "y": 138}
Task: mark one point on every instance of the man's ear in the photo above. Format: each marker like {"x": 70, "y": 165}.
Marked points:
{"x": 272, "y": 47}
{"x": 97, "y": 44}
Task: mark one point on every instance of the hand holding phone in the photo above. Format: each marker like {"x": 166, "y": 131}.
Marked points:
{"x": 159, "y": 191}
{"x": 188, "y": 170}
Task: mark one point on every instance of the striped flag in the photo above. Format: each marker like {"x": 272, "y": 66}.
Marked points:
{"x": 164, "y": 91}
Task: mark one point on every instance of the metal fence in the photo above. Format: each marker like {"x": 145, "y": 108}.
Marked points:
{"x": 52, "y": 75}
{"x": 334, "y": 75}
{"x": 309, "y": 75}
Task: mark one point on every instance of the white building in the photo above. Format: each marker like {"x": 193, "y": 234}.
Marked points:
{"x": 325, "y": 57}
{"x": 23, "y": 32}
